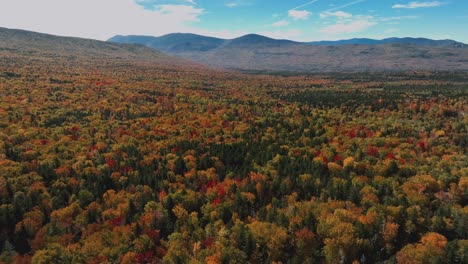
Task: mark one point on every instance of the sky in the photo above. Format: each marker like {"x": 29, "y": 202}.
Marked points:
{"x": 301, "y": 20}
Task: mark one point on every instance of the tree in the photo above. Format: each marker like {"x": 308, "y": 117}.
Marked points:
{"x": 56, "y": 254}
{"x": 271, "y": 235}
{"x": 430, "y": 249}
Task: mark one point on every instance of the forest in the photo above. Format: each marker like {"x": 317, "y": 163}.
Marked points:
{"x": 125, "y": 162}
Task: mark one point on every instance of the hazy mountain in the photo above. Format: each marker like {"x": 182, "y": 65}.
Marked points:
{"x": 185, "y": 42}
{"x": 173, "y": 43}
{"x": 258, "y": 53}
{"x": 257, "y": 41}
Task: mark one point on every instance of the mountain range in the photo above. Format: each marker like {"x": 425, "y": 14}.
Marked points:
{"x": 185, "y": 42}
{"x": 259, "y": 53}
{"x": 251, "y": 53}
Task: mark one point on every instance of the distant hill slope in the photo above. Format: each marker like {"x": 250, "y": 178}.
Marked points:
{"x": 27, "y": 44}
{"x": 258, "y": 53}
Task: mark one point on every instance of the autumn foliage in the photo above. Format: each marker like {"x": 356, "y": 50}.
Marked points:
{"x": 135, "y": 163}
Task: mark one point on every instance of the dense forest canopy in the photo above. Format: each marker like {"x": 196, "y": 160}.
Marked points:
{"x": 126, "y": 162}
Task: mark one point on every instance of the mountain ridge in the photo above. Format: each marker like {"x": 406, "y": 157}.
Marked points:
{"x": 259, "y": 53}
{"x": 392, "y": 40}
{"x": 245, "y": 39}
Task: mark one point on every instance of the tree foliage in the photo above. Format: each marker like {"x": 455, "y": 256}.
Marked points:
{"x": 135, "y": 163}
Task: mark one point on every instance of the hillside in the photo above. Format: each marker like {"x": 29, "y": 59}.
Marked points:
{"x": 26, "y": 44}
{"x": 258, "y": 53}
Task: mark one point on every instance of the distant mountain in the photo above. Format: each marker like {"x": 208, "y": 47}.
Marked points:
{"x": 258, "y": 53}
{"x": 185, "y": 42}
{"x": 27, "y": 44}
{"x": 254, "y": 40}
{"x": 173, "y": 43}
{"x": 414, "y": 41}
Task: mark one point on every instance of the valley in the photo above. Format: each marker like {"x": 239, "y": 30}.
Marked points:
{"x": 117, "y": 153}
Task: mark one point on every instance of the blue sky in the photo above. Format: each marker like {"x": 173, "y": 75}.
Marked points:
{"x": 303, "y": 20}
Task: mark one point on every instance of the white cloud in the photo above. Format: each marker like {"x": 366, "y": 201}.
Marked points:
{"x": 191, "y": 2}
{"x": 337, "y": 14}
{"x": 280, "y": 23}
{"x": 97, "y": 19}
{"x": 412, "y": 5}
{"x": 94, "y": 19}
{"x": 347, "y": 28}
{"x": 231, "y": 5}
{"x": 299, "y": 14}
{"x": 189, "y": 13}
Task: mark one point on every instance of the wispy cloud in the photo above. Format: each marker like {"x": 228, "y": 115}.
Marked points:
{"x": 412, "y": 5}
{"x": 295, "y": 14}
{"x": 346, "y": 23}
{"x": 238, "y": 3}
{"x": 387, "y": 19}
{"x": 280, "y": 23}
{"x": 337, "y": 14}
{"x": 191, "y": 14}
{"x": 306, "y": 4}
{"x": 345, "y": 5}
{"x": 299, "y": 14}
{"x": 347, "y": 28}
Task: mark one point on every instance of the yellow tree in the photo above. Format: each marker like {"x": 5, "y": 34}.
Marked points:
{"x": 430, "y": 249}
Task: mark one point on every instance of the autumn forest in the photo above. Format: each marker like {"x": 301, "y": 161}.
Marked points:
{"x": 128, "y": 161}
